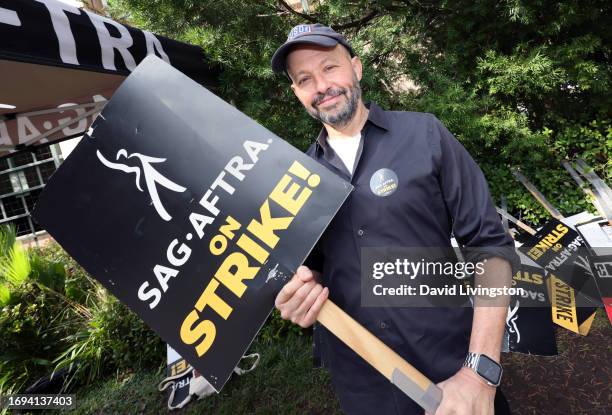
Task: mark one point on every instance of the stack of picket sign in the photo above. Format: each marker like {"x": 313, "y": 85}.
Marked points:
{"x": 566, "y": 267}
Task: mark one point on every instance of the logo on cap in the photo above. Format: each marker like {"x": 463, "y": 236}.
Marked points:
{"x": 298, "y": 30}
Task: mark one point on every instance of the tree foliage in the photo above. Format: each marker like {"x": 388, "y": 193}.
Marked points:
{"x": 520, "y": 83}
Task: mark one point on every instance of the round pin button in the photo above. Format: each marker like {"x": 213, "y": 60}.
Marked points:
{"x": 384, "y": 182}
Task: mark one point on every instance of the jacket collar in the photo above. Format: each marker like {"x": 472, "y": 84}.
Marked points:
{"x": 377, "y": 116}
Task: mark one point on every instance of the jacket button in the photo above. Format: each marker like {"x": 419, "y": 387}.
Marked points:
{"x": 383, "y": 325}
{"x": 360, "y": 232}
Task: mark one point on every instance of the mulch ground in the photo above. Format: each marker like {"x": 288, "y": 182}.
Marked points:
{"x": 577, "y": 381}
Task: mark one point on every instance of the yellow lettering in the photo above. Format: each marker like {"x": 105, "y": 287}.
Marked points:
{"x": 264, "y": 230}
{"x": 242, "y": 271}
{"x": 211, "y": 299}
{"x": 285, "y": 195}
{"x": 230, "y": 226}
{"x": 252, "y": 248}
{"x": 190, "y": 335}
{"x": 562, "y": 228}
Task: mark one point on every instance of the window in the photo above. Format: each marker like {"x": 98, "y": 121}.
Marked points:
{"x": 22, "y": 159}
{"x": 46, "y": 170}
{"x": 31, "y": 175}
{"x": 5, "y": 184}
{"x": 31, "y": 199}
{"x": 18, "y": 181}
{"x": 13, "y": 206}
{"x": 43, "y": 153}
{"x": 23, "y": 184}
{"x": 22, "y": 225}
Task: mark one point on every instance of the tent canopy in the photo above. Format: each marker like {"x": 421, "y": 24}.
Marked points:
{"x": 60, "y": 64}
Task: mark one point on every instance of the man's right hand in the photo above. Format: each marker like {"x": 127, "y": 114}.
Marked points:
{"x": 301, "y": 299}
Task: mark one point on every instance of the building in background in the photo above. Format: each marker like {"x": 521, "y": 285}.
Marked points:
{"x": 22, "y": 178}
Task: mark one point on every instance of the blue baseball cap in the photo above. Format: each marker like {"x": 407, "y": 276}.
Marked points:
{"x": 313, "y": 34}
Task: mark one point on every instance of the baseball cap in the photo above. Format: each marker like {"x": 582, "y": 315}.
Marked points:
{"x": 314, "y": 34}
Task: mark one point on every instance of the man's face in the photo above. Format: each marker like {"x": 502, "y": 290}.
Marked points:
{"x": 326, "y": 81}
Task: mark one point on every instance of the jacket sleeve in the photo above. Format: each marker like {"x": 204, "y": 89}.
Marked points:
{"x": 476, "y": 224}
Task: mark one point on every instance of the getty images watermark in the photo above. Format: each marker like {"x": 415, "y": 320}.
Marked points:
{"x": 437, "y": 277}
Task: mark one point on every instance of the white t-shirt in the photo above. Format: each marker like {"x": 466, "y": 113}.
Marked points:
{"x": 346, "y": 148}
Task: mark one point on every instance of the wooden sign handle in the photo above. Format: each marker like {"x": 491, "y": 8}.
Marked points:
{"x": 517, "y": 222}
{"x": 537, "y": 195}
{"x": 602, "y": 194}
{"x": 391, "y": 365}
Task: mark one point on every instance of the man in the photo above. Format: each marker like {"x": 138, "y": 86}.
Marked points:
{"x": 436, "y": 189}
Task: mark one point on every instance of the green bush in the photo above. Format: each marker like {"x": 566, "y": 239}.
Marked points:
{"x": 113, "y": 339}
{"x": 34, "y": 317}
{"x": 55, "y": 316}
{"x": 33, "y": 328}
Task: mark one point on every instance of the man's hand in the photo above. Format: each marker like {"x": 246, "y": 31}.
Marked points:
{"x": 301, "y": 299}
{"x": 466, "y": 394}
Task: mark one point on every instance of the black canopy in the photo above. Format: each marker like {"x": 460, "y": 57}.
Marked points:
{"x": 59, "y": 64}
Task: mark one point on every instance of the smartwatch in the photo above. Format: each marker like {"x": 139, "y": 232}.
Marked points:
{"x": 485, "y": 367}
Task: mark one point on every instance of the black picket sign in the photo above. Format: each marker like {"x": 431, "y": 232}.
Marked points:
{"x": 190, "y": 212}
{"x": 528, "y": 324}
{"x": 560, "y": 250}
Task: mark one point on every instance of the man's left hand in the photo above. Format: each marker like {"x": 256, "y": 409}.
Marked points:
{"x": 466, "y": 393}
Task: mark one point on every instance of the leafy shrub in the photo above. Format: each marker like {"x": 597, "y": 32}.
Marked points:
{"x": 113, "y": 339}
{"x": 33, "y": 328}
{"x": 54, "y": 316}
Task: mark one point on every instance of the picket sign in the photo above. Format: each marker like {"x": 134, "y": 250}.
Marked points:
{"x": 529, "y": 327}
{"x": 597, "y": 233}
{"x": 564, "y": 298}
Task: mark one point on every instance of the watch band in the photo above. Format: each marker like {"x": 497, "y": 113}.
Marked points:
{"x": 472, "y": 361}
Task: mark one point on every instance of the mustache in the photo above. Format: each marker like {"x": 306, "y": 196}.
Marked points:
{"x": 330, "y": 93}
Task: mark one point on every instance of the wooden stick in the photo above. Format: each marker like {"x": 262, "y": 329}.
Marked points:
{"x": 391, "y": 365}
{"x": 594, "y": 179}
{"x": 602, "y": 192}
{"x": 516, "y": 221}
{"x": 538, "y": 196}
{"x": 587, "y": 190}
{"x": 504, "y": 208}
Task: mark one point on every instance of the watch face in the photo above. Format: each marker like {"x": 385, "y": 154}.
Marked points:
{"x": 489, "y": 370}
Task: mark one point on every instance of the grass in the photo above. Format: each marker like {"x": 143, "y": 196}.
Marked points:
{"x": 575, "y": 382}
{"x": 284, "y": 382}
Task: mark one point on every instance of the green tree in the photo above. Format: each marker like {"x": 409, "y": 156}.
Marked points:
{"x": 520, "y": 83}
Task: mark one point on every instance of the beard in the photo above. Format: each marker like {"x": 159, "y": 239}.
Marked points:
{"x": 343, "y": 112}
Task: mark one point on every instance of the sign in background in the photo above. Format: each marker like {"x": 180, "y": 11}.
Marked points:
{"x": 60, "y": 63}
{"x": 562, "y": 252}
{"x": 598, "y": 235}
{"x": 189, "y": 212}
{"x": 528, "y": 325}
